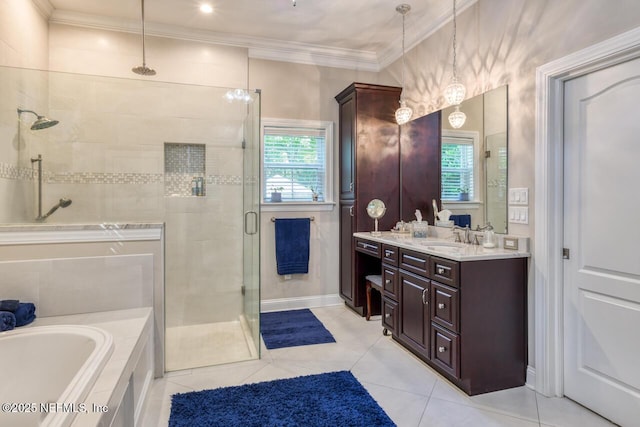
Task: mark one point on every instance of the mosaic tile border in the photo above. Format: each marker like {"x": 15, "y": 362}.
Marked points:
{"x": 9, "y": 171}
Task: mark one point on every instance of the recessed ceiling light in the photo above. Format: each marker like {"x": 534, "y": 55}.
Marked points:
{"x": 206, "y": 8}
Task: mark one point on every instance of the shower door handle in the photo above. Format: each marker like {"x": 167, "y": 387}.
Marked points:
{"x": 255, "y": 222}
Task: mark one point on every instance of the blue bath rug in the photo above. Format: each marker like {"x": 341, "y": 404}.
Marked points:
{"x": 292, "y": 328}
{"x": 332, "y": 399}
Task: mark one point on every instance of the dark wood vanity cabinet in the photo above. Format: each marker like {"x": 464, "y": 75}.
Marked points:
{"x": 467, "y": 319}
{"x": 369, "y": 152}
{"x": 399, "y": 165}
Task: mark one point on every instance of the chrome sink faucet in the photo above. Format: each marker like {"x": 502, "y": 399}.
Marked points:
{"x": 467, "y": 231}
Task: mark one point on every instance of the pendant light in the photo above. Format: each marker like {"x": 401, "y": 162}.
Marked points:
{"x": 404, "y": 113}
{"x": 455, "y": 92}
{"x": 143, "y": 70}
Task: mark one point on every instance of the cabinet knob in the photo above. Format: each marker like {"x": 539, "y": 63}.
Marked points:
{"x": 351, "y": 211}
{"x": 441, "y": 306}
{"x": 387, "y": 281}
{"x": 440, "y": 270}
{"x": 442, "y": 349}
{"x": 425, "y": 299}
{"x": 387, "y": 315}
{"x": 351, "y": 186}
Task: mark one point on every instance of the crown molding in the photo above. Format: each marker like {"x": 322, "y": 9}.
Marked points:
{"x": 44, "y": 7}
{"x": 260, "y": 48}
{"x": 394, "y": 50}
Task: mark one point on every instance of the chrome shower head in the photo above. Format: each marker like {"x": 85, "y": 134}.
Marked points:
{"x": 143, "y": 70}
{"x": 41, "y": 122}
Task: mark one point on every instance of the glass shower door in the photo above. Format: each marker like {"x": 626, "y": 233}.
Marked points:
{"x": 251, "y": 232}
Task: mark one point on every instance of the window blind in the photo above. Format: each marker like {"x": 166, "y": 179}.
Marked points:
{"x": 457, "y": 168}
{"x": 294, "y": 163}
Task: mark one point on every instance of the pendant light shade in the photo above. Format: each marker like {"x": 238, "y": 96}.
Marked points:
{"x": 404, "y": 113}
{"x": 454, "y": 93}
{"x": 457, "y": 118}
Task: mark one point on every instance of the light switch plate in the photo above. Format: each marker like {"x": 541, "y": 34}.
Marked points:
{"x": 519, "y": 196}
{"x": 519, "y": 214}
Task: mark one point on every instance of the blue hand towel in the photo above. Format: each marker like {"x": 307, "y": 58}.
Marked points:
{"x": 9, "y": 305}
{"x": 7, "y": 321}
{"x": 292, "y": 245}
{"x": 461, "y": 220}
{"x": 25, "y": 314}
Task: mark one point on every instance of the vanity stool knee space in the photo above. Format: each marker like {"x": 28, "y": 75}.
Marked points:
{"x": 372, "y": 281}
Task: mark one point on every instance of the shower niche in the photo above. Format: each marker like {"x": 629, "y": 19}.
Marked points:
{"x": 184, "y": 170}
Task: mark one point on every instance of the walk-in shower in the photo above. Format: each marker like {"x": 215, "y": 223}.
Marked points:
{"x": 124, "y": 163}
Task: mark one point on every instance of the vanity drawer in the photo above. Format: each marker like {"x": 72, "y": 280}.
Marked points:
{"x": 389, "y": 314}
{"x": 414, "y": 262}
{"x": 390, "y": 282}
{"x": 444, "y": 271}
{"x": 444, "y": 306}
{"x": 368, "y": 247}
{"x": 390, "y": 255}
{"x": 445, "y": 347}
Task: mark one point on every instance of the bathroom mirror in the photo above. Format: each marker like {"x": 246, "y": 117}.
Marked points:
{"x": 474, "y": 160}
{"x": 376, "y": 209}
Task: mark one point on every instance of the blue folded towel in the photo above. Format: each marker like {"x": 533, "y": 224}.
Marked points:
{"x": 461, "y": 220}
{"x": 7, "y": 321}
{"x": 292, "y": 245}
{"x": 25, "y": 314}
{"x": 9, "y": 305}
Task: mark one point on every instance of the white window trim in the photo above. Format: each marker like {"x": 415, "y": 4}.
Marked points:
{"x": 328, "y": 203}
{"x": 475, "y": 136}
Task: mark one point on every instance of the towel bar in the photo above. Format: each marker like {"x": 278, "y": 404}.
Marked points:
{"x": 311, "y": 218}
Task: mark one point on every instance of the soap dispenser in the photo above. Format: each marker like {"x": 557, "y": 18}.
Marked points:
{"x": 489, "y": 239}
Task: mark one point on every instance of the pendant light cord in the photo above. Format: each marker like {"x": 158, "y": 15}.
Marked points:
{"x": 455, "y": 76}
{"x": 402, "y": 93}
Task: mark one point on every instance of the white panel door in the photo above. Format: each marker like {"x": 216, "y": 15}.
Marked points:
{"x": 602, "y": 231}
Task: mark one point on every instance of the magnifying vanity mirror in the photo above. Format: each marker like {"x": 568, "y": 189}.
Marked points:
{"x": 376, "y": 209}
{"x": 474, "y": 161}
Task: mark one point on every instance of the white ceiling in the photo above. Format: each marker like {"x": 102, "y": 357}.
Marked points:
{"x": 360, "y": 34}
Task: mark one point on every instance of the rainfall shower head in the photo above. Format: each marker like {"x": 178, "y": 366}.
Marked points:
{"x": 143, "y": 70}
{"x": 41, "y": 122}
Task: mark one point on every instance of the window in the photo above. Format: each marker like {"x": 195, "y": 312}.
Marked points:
{"x": 458, "y": 166}
{"x": 296, "y": 160}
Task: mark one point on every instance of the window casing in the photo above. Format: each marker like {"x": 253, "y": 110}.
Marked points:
{"x": 296, "y": 161}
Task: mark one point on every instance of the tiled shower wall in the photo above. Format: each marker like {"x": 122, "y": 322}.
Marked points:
{"x": 107, "y": 155}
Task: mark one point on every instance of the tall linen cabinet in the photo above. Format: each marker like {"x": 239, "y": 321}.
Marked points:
{"x": 373, "y": 166}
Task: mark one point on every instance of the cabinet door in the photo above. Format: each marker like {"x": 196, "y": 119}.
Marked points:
{"x": 347, "y": 254}
{"x": 414, "y": 312}
{"x": 347, "y": 146}
{"x": 389, "y": 314}
{"x": 420, "y": 172}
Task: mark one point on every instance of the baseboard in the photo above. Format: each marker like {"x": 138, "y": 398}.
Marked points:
{"x": 531, "y": 377}
{"x": 300, "y": 302}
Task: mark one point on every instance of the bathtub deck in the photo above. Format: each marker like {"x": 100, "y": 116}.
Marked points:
{"x": 131, "y": 329}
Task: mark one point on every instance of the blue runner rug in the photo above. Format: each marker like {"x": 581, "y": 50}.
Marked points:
{"x": 332, "y": 399}
{"x": 292, "y": 328}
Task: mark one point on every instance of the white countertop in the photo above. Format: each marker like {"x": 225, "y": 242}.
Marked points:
{"x": 443, "y": 247}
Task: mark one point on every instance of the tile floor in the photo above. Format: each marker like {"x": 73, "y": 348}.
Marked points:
{"x": 411, "y": 393}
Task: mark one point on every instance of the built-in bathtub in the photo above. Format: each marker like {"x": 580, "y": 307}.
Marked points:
{"x": 47, "y": 373}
